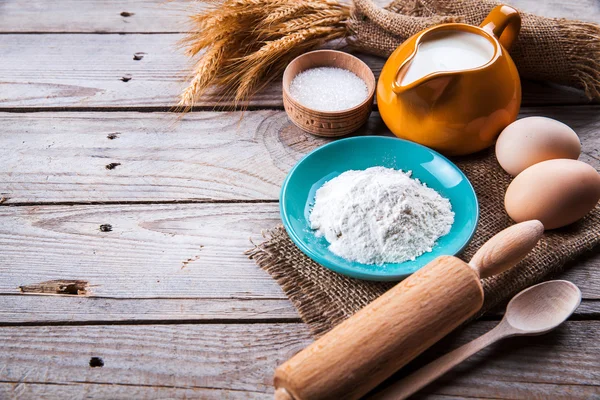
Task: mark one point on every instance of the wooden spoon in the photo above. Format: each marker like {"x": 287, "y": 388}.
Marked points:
{"x": 534, "y": 311}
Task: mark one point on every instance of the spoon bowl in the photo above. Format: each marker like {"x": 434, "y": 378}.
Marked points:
{"x": 533, "y": 311}
{"x": 542, "y": 307}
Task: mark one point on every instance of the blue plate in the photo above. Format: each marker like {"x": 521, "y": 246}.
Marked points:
{"x": 358, "y": 153}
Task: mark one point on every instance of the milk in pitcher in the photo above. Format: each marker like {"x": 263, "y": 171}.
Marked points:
{"x": 448, "y": 51}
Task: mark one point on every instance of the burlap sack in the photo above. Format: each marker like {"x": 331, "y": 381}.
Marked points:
{"x": 558, "y": 50}
{"x": 324, "y": 298}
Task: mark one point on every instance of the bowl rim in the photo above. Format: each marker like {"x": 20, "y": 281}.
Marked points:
{"x": 369, "y": 99}
{"x": 372, "y": 276}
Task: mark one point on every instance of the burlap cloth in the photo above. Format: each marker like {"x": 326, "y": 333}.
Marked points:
{"x": 548, "y": 49}
{"x": 324, "y": 298}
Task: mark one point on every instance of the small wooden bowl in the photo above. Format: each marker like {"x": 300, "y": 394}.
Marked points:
{"x": 328, "y": 123}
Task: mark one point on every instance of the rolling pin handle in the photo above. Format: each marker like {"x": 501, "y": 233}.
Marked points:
{"x": 507, "y": 248}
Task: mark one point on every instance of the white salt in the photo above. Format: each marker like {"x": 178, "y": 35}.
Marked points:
{"x": 328, "y": 89}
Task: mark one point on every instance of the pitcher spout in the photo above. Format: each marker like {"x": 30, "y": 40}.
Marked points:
{"x": 435, "y": 82}
{"x": 429, "y": 89}
{"x": 397, "y": 86}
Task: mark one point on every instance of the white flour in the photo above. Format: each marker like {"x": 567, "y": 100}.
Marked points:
{"x": 380, "y": 215}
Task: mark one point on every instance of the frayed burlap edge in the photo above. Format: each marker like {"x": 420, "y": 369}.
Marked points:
{"x": 307, "y": 284}
{"x": 587, "y": 75}
{"x": 314, "y": 306}
{"x": 314, "y": 290}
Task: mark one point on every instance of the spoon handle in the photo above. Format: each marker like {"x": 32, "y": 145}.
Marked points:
{"x": 422, "y": 377}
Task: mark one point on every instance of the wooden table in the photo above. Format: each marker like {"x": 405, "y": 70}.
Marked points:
{"x": 152, "y": 215}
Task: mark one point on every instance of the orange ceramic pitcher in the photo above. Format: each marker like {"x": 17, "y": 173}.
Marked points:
{"x": 455, "y": 112}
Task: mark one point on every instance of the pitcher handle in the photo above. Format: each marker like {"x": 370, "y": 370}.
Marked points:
{"x": 504, "y": 22}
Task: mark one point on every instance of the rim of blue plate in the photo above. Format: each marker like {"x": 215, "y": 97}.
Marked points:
{"x": 307, "y": 250}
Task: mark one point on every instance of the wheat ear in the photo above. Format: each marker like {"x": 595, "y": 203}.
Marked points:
{"x": 242, "y": 45}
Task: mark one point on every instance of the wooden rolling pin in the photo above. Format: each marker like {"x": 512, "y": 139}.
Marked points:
{"x": 367, "y": 348}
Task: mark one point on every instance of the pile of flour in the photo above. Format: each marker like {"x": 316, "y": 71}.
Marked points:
{"x": 380, "y": 215}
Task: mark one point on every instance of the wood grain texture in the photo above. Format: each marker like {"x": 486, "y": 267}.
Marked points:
{"x": 86, "y": 70}
{"x": 70, "y": 310}
{"x": 151, "y": 265}
{"x": 183, "y": 357}
{"x": 204, "y": 156}
{"x": 141, "y": 16}
{"x": 585, "y": 269}
{"x": 158, "y": 16}
{"x": 107, "y": 390}
{"x": 82, "y": 71}
{"x": 209, "y": 361}
{"x": 28, "y": 309}
{"x": 172, "y": 251}
{"x": 586, "y": 10}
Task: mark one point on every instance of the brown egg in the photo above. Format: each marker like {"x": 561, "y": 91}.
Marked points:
{"x": 532, "y": 140}
{"x": 556, "y": 192}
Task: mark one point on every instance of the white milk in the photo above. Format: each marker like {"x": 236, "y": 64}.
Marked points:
{"x": 449, "y": 51}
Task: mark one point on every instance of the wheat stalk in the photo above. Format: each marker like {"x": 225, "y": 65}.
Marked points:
{"x": 270, "y": 56}
{"x": 242, "y": 45}
{"x": 205, "y": 71}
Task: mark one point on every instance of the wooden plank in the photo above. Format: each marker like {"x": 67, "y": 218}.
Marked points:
{"x": 86, "y": 70}
{"x": 520, "y": 390}
{"x": 158, "y": 16}
{"x": 193, "y": 358}
{"x": 204, "y": 156}
{"x": 586, "y": 10}
{"x": 77, "y": 390}
{"x": 178, "y": 262}
{"x": 48, "y": 71}
{"x": 131, "y": 16}
{"x": 240, "y": 358}
{"x": 168, "y": 251}
{"x": 71, "y": 310}
{"x": 584, "y": 272}
{"x": 28, "y": 309}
